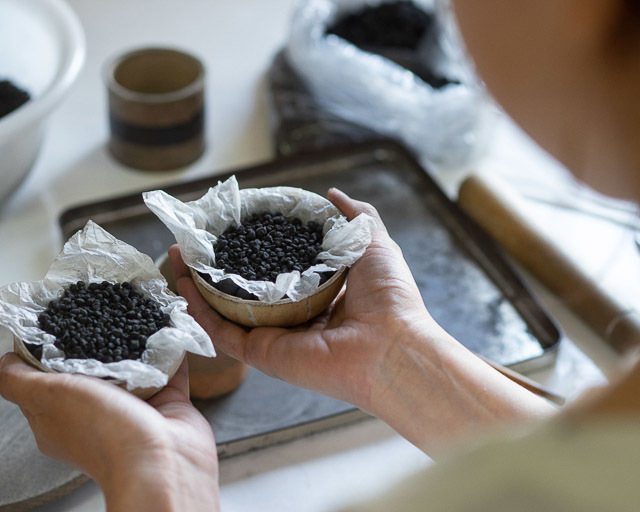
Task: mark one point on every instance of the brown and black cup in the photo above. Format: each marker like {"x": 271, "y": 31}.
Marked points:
{"x": 156, "y": 108}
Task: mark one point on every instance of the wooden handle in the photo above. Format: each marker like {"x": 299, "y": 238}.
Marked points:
{"x": 493, "y": 205}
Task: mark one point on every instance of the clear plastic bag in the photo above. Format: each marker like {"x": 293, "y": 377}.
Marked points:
{"x": 446, "y": 126}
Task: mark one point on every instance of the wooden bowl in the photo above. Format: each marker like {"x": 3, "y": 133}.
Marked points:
{"x": 283, "y": 313}
{"x": 144, "y": 393}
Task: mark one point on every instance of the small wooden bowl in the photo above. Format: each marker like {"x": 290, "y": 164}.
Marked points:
{"x": 283, "y": 313}
{"x": 143, "y": 393}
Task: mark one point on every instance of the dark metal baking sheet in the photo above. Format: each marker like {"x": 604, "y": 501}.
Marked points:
{"x": 465, "y": 281}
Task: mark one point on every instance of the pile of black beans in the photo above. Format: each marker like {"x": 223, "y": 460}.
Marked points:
{"x": 104, "y": 321}
{"x": 268, "y": 244}
{"x": 398, "y": 24}
{"x": 11, "y": 97}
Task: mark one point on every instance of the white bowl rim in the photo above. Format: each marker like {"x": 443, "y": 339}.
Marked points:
{"x": 60, "y": 14}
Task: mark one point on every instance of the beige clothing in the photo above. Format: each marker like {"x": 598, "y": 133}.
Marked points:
{"x": 559, "y": 467}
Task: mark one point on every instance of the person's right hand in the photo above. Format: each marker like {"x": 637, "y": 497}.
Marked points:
{"x": 376, "y": 347}
{"x": 341, "y": 352}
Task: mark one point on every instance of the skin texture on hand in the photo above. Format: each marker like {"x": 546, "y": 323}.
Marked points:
{"x": 378, "y": 348}
{"x": 348, "y": 332}
{"x": 156, "y": 455}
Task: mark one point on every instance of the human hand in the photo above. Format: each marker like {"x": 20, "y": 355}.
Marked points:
{"x": 376, "y": 347}
{"x": 142, "y": 454}
{"x": 340, "y": 352}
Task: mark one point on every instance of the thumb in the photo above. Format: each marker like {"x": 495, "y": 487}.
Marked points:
{"x": 16, "y": 377}
{"x": 350, "y": 207}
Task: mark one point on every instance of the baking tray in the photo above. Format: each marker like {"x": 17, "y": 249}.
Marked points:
{"x": 466, "y": 282}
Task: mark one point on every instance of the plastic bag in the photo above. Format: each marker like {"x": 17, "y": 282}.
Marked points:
{"x": 446, "y": 126}
{"x": 298, "y": 123}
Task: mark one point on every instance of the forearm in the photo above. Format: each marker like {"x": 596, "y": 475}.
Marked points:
{"x": 433, "y": 391}
{"x": 162, "y": 481}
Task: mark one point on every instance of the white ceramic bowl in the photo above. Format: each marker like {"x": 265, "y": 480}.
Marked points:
{"x": 42, "y": 49}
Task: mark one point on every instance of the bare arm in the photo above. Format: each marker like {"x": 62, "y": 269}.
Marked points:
{"x": 378, "y": 348}
{"x": 155, "y": 456}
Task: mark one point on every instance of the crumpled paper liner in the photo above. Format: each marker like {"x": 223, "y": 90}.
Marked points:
{"x": 198, "y": 224}
{"x": 93, "y": 255}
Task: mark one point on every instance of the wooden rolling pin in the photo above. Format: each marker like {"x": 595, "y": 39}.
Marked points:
{"x": 493, "y": 205}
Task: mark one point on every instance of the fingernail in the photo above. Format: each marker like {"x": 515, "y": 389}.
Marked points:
{"x": 337, "y": 191}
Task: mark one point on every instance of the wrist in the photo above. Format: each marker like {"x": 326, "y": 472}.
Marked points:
{"x": 161, "y": 479}
{"x": 432, "y": 390}
{"x": 410, "y": 349}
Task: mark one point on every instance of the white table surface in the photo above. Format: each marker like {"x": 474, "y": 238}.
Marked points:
{"x": 237, "y": 40}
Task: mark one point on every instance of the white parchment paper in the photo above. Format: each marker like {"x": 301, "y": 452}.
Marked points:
{"x": 198, "y": 224}
{"x": 93, "y": 255}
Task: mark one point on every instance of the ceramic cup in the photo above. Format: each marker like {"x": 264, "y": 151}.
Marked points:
{"x": 156, "y": 108}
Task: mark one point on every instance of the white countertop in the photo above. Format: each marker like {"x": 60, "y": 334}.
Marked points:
{"x": 236, "y": 40}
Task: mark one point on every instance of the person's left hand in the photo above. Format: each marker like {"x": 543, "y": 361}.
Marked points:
{"x": 130, "y": 447}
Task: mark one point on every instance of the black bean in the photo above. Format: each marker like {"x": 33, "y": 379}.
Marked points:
{"x": 264, "y": 246}
{"x": 36, "y": 350}
{"x": 391, "y": 25}
{"x": 101, "y": 320}
{"x": 244, "y": 294}
{"x": 11, "y": 97}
